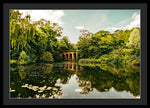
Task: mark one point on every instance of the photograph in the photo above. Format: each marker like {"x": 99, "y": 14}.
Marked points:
{"x": 74, "y": 54}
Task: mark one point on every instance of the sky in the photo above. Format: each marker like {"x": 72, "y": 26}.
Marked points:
{"x": 72, "y": 21}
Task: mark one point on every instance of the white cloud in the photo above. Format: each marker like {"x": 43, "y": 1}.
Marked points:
{"x": 135, "y": 21}
{"x": 54, "y": 16}
{"x": 112, "y": 28}
{"x": 79, "y": 27}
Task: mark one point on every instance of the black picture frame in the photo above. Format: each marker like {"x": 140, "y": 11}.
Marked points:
{"x": 141, "y": 101}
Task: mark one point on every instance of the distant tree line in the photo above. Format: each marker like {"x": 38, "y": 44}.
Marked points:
{"x": 120, "y": 47}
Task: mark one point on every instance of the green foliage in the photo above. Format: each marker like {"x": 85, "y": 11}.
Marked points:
{"x": 13, "y": 62}
{"x": 14, "y": 55}
{"x": 123, "y": 51}
{"x": 87, "y": 61}
{"x": 35, "y": 38}
{"x": 96, "y": 44}
{"x": 83, "y": 46}
{"x": 103, "y": 33}
{"x": 112, "y": 59}
{"x": 121, "y": 37}
{"x": 131, "y": 60}
{"x": 134, "y": 39}
{"x": 136, "y": 62}
{"x": 46, "y": 57}
{"x": 23, "y": 58}
{"x": 57, "y": 57}
{"x": 120, "y": 48}
{"x": 64, "y": 44}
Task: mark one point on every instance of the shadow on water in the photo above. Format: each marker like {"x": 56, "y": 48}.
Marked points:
{"x": 46, "y": 80}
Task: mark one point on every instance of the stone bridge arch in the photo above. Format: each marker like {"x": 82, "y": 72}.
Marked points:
{"x": 70, "y": 55}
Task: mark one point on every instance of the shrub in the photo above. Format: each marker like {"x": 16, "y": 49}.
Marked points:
{"x": 115, "y": 59}
{"x": 57, "y": 57}
{"x": 47, "y": 57}
{"x": 23, "y": 58}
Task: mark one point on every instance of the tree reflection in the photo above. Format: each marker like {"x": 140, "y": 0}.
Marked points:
{"x": 47, "y": 68}
{"x": 85, "y": 86}
{"x": 97, "y": 79}
{"x": 103, "y": 80}
{"x": 41, "y": 80}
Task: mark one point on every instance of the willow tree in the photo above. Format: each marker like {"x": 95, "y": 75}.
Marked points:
{"x": 22, "y": 31}
{"x": 33, "y": 37}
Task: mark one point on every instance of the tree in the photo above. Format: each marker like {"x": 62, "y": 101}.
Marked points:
{"x": 103, "y": 33}
{"x": 34, "y": 38}
{"x": 23, "y": 58}
{"x": 85, "y": 34}
{"x": 65, "y": 44}
{"x": 47, "y": 57}
{"x": 83, "y": 46}
{"x": 84, "y": 43}
{"x": 22, "y": 32}
{"x": 134, "y": 39}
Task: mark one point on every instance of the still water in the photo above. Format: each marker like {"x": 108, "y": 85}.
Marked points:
{"x": 68, "y": 80}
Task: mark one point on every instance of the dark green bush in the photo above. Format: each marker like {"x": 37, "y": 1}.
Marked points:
{"x": 46, "y": 57}
{"x": 57, "y": 57}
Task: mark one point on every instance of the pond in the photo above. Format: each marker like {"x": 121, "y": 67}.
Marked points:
{"x": 69, "y": 80}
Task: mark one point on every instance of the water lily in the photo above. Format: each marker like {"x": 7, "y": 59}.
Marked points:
{"x": 43, "y": 96}
{"x": 40, "y": 91}
{"x": 42, "y": 88}
{"x": 26, "y": 85}
{"x": 35, "y": 87}
{"x": 49, "y": 88}
{"x": 54, "y": 88}
{"x": 12, "y": 90}
{"x": 30, "y": 85}
{"x": 37, "y": 96}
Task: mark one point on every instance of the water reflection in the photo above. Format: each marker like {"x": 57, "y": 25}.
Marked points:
{"x": 72, "y": 80}
{"x": 71, "y": 66}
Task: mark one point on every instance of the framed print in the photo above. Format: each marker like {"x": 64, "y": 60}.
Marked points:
{"x": 69, "y": 54}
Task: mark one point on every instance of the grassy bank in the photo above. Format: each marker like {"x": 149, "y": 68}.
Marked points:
{"x": 114, "y": 60}
{"x": 120, "y": 65}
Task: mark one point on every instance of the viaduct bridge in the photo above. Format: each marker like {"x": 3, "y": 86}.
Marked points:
{"x": 70, "y": 55}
